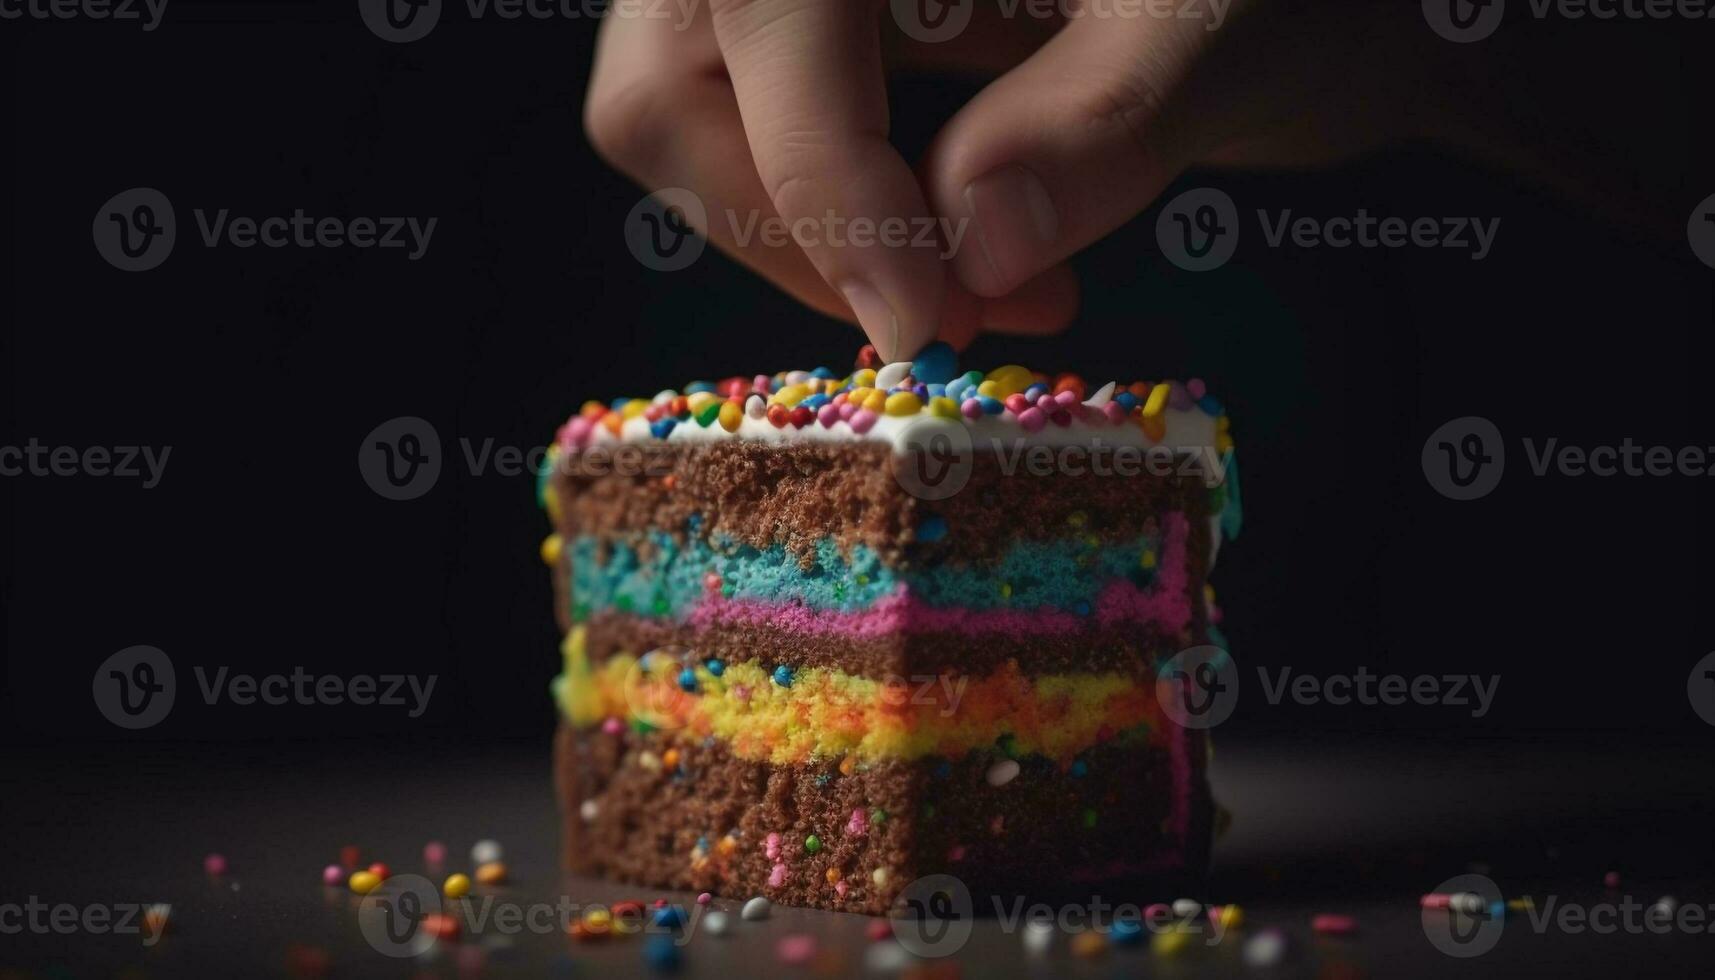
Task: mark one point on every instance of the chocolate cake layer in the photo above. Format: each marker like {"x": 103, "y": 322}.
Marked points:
{"x": 654, "y": 809}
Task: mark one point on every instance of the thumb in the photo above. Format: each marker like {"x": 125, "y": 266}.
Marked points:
{"x": 1067, "y": 146}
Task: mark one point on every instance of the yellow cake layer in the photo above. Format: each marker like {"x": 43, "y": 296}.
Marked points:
{"x": 825, "y": 713}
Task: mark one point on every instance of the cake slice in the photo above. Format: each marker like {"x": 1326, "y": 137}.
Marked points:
{"x": 826, "y": 635}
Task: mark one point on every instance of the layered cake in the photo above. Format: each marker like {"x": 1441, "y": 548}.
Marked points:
{"x": 830, "y": 632}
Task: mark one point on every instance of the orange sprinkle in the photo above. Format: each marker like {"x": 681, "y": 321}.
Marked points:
{"x": 670, "y": 758}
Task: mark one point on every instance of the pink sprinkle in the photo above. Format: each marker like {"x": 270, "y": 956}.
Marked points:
{"x": 956, "y": 852}
{"x": 847, "y": 410}
{"x": 1196, "y": 388}
{"x": 333, "y": 874}
{"x": 1062, "y": 419}
{"x": 613, "y": 726}
{"x": 796, "y": 949}
{"x": 840, "y": 888}
{"x": 1067, "y": 398}
{"x": 858, "y": 824}
{"x": 862, "y": 421}
{"x": 575, "y": 432}
{"x": 777, "y": 876}
{"x": 761, "y": 383}
{"x": 1016, "y": 403}
{"x": 214, "y": 864}
{"x": 659, "y": 903}
{"x": 1047, "y": 403}
{"x": 827, "y": 415}
{"x": 711, "y": 582}
{"x": 1032, "y": 419}
{"x": 972, "y": 408}
{"x": 434, "y": 852}
{"x": 1435, "y": 900}
{"x": 771, "y": 847}
{"x": 654, "y": 412}
{"x": 705, "y": 898}
{"x": 1330, "y": 924}
{"x": 839, "y": 399}
{"x": 878, "y": 929}
{"x": 1611, "y": 880}
{"x": 1157, "y": 912}
{"x": 1114, "y": 412}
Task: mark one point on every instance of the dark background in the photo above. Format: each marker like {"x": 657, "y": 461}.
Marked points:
{"x": 263, "y": 549}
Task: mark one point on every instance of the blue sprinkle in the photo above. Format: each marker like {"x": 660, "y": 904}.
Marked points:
{"x": 661, "y": 953}
{"x": 669, "y": 916}
{"x": 694, "y": 522}
{"x": 1125, "y": 932}
{"x": 1082, "y": 608}
{"x": 920, "y": 390}
{"x": 956, "y": 389}
{"x": 697, "y": 386}
{"x": 944, "y": 769}
{"x": 1127, "y": 400}
{"x": 1210, "y": 405}
{"x": 783, "y": 675}
{"x": 688, "y": 680}
{"x": 822, "y": 373}
{"x": 937, "y": 363}
{"x": 660, "y": 428}
{"x": 933, "y": 528}
{"x": 1035, "y": 391}
{"x": 815, "y": 401}
{"x": 937, "y": 391}
{"x": 991, "y": 406}
{"x": 1079, "y": 768}
{"x": 618, "y": 403}
{"x": 716, "y": 666}
{"x": 823, "y": 779}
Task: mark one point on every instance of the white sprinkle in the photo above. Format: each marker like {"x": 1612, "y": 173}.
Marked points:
{"x": 1003, "y": 772}
{"x": 1185, "y": 908}
{"x": 797, "y": 377}
{"x": 756, "y": 909}
{"x": 755, "y": 407}
{"x": 485, "y": 852}
{"x": 649, "y": 760}
{"x": 1663, "y": 909}
{"x": 664, "y": 396}
{"x": 885, "y": 957}
{"x": 1265, "y": 949}
{"x": 1103, "y": 395}
{"x": 717, "y": 923}
{"x": 1038, "y": 936}
{"x": 589, "y": 809}
{"x": 892, "y": 374}
{"x": 1470, "y": 903}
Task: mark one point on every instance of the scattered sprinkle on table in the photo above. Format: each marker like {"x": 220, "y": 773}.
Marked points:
{"x": 755, "y": 909}
{"x": 1333, "y": 924}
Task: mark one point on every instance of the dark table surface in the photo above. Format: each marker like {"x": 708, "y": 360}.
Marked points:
{"x": 1361, "y": 826}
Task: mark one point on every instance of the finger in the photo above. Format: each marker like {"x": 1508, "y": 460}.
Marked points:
{"x": 1057, "y": 153}
{"x": 811, "y": 92}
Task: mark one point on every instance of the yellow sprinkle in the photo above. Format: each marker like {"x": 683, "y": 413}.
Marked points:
{"x": 727, "y": 846}
{"x": 879, "y": 876}
{"x": 1232, "y": 917}
{"x": 731, "y": 415}
{"x": 1148, "y": 559}
{"x": 699, "y": 400}
{"x": 987, "y": 389}
{"x": 863, "y": 378}
{"x": 1006, "y": 590}
{"x": 876, "y": 400}
{"x": 552, "y": 548}
{"x": 944, "y": 408}
{"x": 790, "y": 395}
{"x": 634, "y": 408}
{"x": 1008, "y": 380}
{"x": 1169, "y": 942}
{"x": 1089, "y": 943}
{"x": 902, "y": 403}
{"x": 456, "y": 886}
{"x": 364, "y": 882}
{"x": 598, "y": 918}
{"x": 1077, "y": 518}
{"x": 848, "y": 765}
{"x": 1520, "y": 904}
{"x": 1155, "y": 426}
{"x": 649, "y": 761}
{"x": 1157, "y": 402}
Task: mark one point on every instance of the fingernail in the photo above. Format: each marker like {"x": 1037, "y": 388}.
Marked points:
{"x": 1014, "y": 222}
{"x": 876, "y": 317}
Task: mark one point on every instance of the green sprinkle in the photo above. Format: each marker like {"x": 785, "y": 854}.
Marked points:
{"x": 1089, "y": 818}
{"x": 812, "y": 844}
{"x": 877, "y": 814}
{"x": 660, "y": 605}
{"x": 622, "y": 603}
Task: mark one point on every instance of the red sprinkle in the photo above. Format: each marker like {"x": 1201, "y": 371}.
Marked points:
{"x": 778, "y": 416}
{"x": 1611, "y": 880}
{"x": 878, "y": 929}
{"x": 348, "y": 856}
{"x": 796, "y": 948}
{"x": 1331, "y": 924}
{"x": 380, "y": 870}
{"x": 1435, "y": 900}
{"x": 801, "y": 417}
